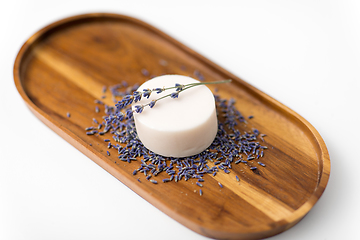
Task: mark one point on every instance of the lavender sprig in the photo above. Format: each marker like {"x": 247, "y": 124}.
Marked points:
{"x": 137, "y": 95}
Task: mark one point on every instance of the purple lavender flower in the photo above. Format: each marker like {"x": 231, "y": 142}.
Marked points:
{"x": 146, "y": 93}
{"x": 120, "y": 116}
{"x": 137, "y": 96}
{"x": 174, "y": 95}
{"x": 152, "y": 103}
{"x": 127, "y": 100}
{"x": 179, "y": 87}
{"x": 158, "y": 90}
{"x": 119, "y": 105}
{"x": 129, "y": 113}
{"x": 139, "y": 108}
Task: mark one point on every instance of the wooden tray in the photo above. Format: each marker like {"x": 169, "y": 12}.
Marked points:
{"x": 63, "y": 67}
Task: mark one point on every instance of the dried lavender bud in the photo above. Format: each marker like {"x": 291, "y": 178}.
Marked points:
{"x": 179, "y": 87}
{"x": 174, "y": 95}
{"x": 152, "y": 103}
{"x": 158, "y": 90}
{"x": 146, "y": 93}
{"x": 139, "y": 108}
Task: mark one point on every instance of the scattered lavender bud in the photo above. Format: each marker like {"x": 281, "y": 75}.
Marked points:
{"x": 199, "y": 184}
{"x": 145, "y": 72}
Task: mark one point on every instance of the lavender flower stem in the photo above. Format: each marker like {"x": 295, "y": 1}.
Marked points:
{"x": 200, "y": 83}
{"x": 190, "y": 85}
{"x": 183, "y": 88}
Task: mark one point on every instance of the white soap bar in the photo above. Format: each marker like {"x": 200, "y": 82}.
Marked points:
{"x": 177, "y": 127}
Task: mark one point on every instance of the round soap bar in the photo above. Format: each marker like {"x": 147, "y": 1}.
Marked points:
{"x": 177, "y": 127}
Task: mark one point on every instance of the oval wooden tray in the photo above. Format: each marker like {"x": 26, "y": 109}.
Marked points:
{"x": 63, "y": 67}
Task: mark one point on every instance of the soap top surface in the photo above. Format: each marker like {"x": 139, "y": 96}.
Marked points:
{"x": 175, "y": 114}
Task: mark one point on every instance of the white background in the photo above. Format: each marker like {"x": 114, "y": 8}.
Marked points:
{"x": 305, "y": 54}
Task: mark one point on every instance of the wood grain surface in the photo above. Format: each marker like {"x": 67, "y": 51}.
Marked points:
{"x": 63, "y": 68}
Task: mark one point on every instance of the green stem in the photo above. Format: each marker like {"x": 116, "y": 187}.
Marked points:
{"x": 190, "y": 85}
{"x": 199, "y": 83}
{"x": 187, "y": 86}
